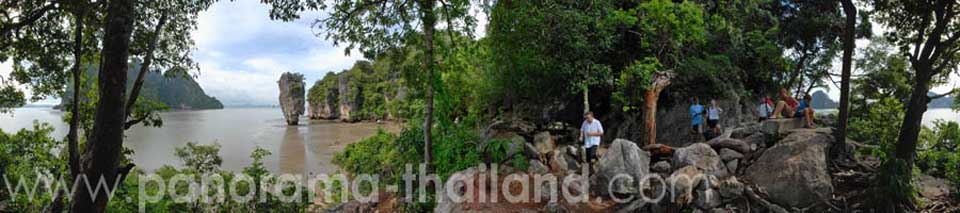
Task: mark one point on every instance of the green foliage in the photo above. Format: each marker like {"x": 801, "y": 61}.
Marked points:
{"x": 563, "y": 44}
{"x": 201, "y": 158}
{"x": 633, "y": 83}
{"x": 10, "y": 98}
{"x": 28, "y": 154}
{"x": 666, "y": 27}
{"x": 876, "y": 123}
{"x": 938, "y": 154}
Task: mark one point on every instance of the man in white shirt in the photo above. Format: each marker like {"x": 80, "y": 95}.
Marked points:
{"x": 590, "y": 132}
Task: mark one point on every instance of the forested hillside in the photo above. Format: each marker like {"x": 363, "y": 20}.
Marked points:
{"x": 175, "y": 88}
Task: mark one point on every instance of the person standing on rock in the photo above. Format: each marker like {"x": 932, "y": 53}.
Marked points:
{"x": 713, "y": 117}
{"x": 696, "y": 117}
{"x": 785, "y": 106}
{"x": 590, "y": 132}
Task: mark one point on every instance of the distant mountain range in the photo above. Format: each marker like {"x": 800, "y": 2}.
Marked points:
{"x": 822, "y": 101}
{"x": 177, "y": 91}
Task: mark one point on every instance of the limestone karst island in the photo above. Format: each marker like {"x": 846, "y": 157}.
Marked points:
{"x": 480, "y": 106}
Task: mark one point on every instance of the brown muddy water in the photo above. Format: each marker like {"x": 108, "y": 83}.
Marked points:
{"x": 303, "y": 149}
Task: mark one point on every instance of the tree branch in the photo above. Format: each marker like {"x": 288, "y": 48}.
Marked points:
{"x": 145, "y": 67}
{"x": 951, "y": 92}
{"x": 30, "y": 18}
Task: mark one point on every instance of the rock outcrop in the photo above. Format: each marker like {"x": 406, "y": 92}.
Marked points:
{"x": 622, "y": 157}
{"x": 701, "y": 156}
{"x": 794, "y": 171}
{"x": 292, "y": 96}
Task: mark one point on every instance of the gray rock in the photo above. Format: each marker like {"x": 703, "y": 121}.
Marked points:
{"x": 661, "y": 167}
{"x": 292, "y": 99}
{"x": 729, "y": 143}
{"x": 932, "y": 187}
{"x": 778, "y": 127}
{"x": 622, "y": 157}
{"x": 707, "y": 199}
{"x": 794, "y": 172}
{"x": 729, "y": 154}
{"x": 682, "y": 183}
{"x": 699, "y": 155}
{"x": 733, "y": 165}
{"x": 745, "y": 131}
{"x": 531, "y": 152}
{"x": 731, "y": 188}
{"x": 544, "y": 142}
{"x": 537, "y": 167}
{"x": 756, "y": 140}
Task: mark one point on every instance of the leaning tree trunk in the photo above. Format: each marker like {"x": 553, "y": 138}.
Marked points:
{"x": 104, "y": 149}
{"x": 839, "y": 148}
{"x": 145, "y": 67}
{"x": 661, "y": 81}
{"x": 910, "y": 128}
{"x": 429, "y": 19}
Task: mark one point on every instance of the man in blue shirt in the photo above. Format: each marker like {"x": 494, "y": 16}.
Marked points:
{"x": 805, "y": 112}
{"x": 696, "y": 114}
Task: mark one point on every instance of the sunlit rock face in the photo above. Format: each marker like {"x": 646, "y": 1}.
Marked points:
{"x": 292, "y": 96}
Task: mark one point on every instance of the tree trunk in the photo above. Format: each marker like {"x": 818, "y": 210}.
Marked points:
{"x": 586, "y": 99}
{"x": 661, "y": 80}
{"x": 73, "y": 141}
{"x": 104, "y": 149}
{"x": 650, "y": 116}
{"x": 849, "y": 46}
{"x": 72, "y": 137}
{"x": 429, "y": 19}
{"x": 910, "y": 128}
{"x": 145, "y": 67}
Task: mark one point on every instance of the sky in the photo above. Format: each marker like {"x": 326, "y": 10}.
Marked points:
{"x": 242, "y": 53}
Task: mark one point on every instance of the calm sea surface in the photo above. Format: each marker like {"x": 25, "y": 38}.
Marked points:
{"x": 304, "y": 149}
{"x": 307, "y": 148}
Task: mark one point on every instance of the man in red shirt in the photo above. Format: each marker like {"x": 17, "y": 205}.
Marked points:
{"x": 786, "y": 106}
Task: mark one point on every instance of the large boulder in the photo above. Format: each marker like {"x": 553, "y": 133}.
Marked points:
{"x": 701, "y": 156}
{"x": 780, "y": 127}
{"x": 794, "y": 172}
{"x": 544, "y": 142}
{"x": 292, "y": 96}
{"x": 622, "y": 157}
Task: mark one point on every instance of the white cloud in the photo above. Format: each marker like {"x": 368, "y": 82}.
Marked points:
{"x": 242, "y": 52}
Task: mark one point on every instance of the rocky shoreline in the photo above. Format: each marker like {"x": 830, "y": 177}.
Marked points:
{"x": 773, "y": 166}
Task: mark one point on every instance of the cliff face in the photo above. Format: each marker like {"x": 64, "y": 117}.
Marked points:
{"x": 362, "y": 92}
{"x": 348, "y": 98}
{"x": 291, "y": 96}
